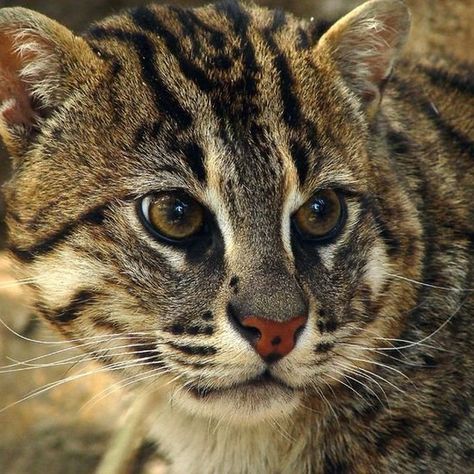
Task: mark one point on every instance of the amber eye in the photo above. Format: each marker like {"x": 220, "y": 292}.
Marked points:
{"x": 172, "y": 216}
{"x": 321, "y": 217}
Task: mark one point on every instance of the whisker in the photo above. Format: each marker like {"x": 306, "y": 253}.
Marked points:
{"x": 69, "y": 341}
{"x": 355, "y": 370}
{"x": 359, "y": 382}
{"x": 428, "y": 285}
{"x": 377, "y": 376}
{"x": 29, "y": 363}
{"x": 71, "y": 378}
{"x": 323, "y": 397}
{"x": 347, "y": 385}
{"x": 379, "y": 364}
{"x": 444, "y": 324}
{"x": 97, "y": 398}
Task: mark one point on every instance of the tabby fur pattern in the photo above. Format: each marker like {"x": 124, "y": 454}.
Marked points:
{"x": 251, "y": 111}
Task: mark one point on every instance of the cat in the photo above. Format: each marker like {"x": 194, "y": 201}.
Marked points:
{"x": 275, "y": 222}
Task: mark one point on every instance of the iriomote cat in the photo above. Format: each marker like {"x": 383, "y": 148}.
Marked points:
{"x": 275, "y": 221}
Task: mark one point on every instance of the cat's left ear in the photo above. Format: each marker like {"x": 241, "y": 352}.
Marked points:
{"x": 364, "y": 45}
{"x": 41, "y": 63}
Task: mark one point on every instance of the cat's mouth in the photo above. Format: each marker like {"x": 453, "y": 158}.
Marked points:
{"x": 263, "y": 382}
{"x": 244, "y": 402}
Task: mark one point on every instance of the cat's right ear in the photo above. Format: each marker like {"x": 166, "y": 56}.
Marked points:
{"x": 364, "y": 45}
{"x": 41, "y": 62}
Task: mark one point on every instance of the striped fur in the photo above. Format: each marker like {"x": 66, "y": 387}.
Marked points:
{"x": 251, "y": 112}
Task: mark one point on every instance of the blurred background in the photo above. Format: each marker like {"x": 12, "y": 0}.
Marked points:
{"x": 58, "y": 431}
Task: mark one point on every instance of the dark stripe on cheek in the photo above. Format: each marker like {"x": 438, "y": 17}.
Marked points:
{"x": 195, "y": 159}
{"x": 102, "y": 322}
{"x": 392, "y": 242}
{"x": 147, "y": 351}
{"x": 74, "y": 309}
{"x": 179, "y": 329}
{"x": 194, "y": 350}
{"x": 95, "y": 216}
{"x": 145, "y": 50}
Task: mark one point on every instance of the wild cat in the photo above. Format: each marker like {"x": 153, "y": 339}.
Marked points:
{"x": 277, "y": 221}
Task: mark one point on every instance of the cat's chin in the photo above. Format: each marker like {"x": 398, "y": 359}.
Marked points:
{"x": 244, "y": 404}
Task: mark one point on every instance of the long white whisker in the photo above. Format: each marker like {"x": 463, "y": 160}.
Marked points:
{"x": 428, "y": 285}
{"x": 72, "y": 378}
{"x": 97, "y": 398}
{"x": 148, "y": 333}
{"x": 29, "y": 363}
{"x": 378, "y": 364}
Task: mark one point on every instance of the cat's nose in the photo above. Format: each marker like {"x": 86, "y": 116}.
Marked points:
{"x": 272, "y": 340}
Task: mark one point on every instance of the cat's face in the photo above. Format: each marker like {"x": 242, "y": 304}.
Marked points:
{"x": 212, "y": 214}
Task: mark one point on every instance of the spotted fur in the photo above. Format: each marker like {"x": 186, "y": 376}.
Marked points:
{"x": 251, "y": 111}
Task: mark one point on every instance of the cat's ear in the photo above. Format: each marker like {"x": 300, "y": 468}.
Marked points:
{"x": 41, "y": 61}
{"x": 364, "y": 44}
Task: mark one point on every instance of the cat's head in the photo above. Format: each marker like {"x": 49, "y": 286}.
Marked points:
{"x": 205, "y": 199}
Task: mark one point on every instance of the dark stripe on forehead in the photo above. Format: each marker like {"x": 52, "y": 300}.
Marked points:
{"x": 291, "y": 106}
{"x": 191, "y": 23}
{"x": 188, "y": 29}
{"x": 146, "y": 132}
{"x": 74, "y": 309}
{"x": 399, "y": 142}
{"x": 218, "y": 40}
{"x": 146, "y": 19}
{"x": 195, "y": 159}
{"x": 317, "y": 28}
{"x": 94, "y": 216}
{"x": 165, "y": 101}
{"x": 301, "y": 160}
{"x": 240, "y": 22}
{"x": 279, "y": 20}
{"x": 303, "y": 40}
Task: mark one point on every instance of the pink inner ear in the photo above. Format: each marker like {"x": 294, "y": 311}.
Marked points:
{"x": 15, "y": 98}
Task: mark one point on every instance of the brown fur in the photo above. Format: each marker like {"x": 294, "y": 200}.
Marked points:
{"x": 251, "y": 112}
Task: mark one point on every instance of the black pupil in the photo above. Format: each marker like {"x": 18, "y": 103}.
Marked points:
{"x": 177, "y": 211}
{"x": 320, "y": 208}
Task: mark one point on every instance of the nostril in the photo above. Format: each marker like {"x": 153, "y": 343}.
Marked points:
{"x": 276, "y": 341}
{"x": 250, "y": 333}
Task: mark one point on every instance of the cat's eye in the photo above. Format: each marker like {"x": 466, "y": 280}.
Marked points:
{"x": 322, "y": 217}
{"x": 172, "y": 216}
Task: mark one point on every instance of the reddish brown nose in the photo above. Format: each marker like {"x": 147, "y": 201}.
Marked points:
{"x": 276, "y": 339}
